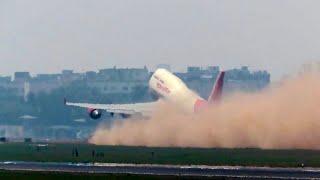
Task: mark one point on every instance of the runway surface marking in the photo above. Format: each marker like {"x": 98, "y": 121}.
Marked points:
{"x": 167, "y": 170}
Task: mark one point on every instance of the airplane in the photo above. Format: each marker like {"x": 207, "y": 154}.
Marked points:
{"x": 169, "y": 88}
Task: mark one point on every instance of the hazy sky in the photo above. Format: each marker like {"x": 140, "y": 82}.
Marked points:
{"x": 47, "y": 36}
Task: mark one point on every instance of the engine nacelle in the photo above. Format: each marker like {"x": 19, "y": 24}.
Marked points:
{"x": 95, "y": 113}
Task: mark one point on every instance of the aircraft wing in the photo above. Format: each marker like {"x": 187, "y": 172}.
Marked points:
{"x": 144, "y": 109}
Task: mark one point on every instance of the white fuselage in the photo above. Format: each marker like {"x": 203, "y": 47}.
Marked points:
{"x": 173, "y": 89}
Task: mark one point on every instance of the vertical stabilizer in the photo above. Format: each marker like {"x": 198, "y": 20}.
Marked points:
{"x": 216, "y": 92}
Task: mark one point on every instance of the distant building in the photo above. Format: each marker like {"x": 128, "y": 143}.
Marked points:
{"x": 23, "y": 84}
{"x": 193, "y": 73}
{"x": 127, "y": 80}
{"x": 124, "y": 74}
{"x": 113, "y": 80}
{"x": 112, "y": 87}
{"x": 91, "y": 75}
{"x": 5, "y": 80}
{"x": 68, "y": 76}
{"x": 164, "y": 66}
{"x": 47, "y": 77}
{"x": 201, "y": 80}
{"x": 22, "y": 76}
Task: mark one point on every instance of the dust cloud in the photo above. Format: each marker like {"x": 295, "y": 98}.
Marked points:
{"x": 281, "y": 117}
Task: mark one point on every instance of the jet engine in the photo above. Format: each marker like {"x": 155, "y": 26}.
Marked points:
{"x": 95, "y": 113}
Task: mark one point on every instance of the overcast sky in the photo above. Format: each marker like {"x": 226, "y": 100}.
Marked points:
{"x": 43, "y": 36}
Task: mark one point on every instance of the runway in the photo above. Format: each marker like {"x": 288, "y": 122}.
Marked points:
{"x": 165, "y": 170}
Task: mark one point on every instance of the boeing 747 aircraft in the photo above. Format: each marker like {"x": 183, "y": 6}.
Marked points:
{"x": 169, "y": 88}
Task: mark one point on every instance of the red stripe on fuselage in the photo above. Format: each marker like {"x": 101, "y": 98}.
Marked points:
{"x": 163, "y": 88}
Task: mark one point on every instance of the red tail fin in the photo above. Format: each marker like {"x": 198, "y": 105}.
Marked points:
{"x": 216, "y": 93}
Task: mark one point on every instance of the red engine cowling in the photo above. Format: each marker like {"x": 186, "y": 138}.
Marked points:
{"x": 95, "y": 113}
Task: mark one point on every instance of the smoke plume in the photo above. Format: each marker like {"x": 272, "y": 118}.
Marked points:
{"x": 286, "y": 116}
